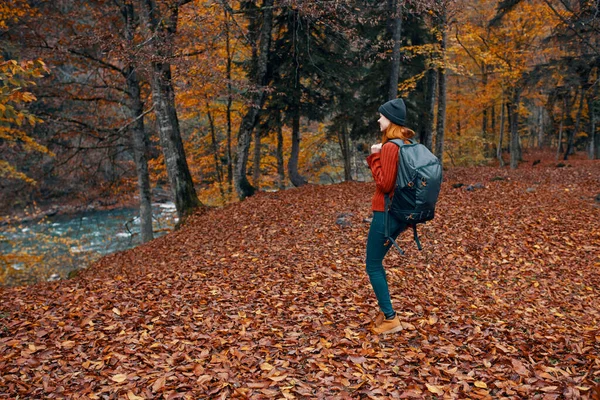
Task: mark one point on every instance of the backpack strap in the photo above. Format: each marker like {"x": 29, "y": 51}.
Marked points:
{"x": 388, "y": 202}
{"x": 396, "y": 246}
{"x": 400, "y": 142}
{"x": 416, "y": 236}
{"x": 388, "y": 237}
{"x": 386, "y": 223}
{"x": 386, "y": 217}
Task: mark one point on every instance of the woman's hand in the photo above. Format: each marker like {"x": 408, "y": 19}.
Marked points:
{"x": 376, "y": 148}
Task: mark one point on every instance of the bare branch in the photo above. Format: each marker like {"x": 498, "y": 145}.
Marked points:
{"x": 570, "y": 26}
{"x": 465, "y": 49}
{"x": 135, "y": 119}
{"x": 231, "y": 12}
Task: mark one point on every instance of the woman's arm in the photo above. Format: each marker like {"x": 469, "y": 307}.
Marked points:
{"x": 384, "y": 167}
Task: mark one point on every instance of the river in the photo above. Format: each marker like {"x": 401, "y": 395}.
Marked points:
{"x": 54, "y": 247}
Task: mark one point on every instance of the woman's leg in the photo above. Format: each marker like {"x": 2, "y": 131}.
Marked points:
{"x": 377, "y": 248}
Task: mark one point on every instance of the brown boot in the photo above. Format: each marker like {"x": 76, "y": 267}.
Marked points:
{"x": 388, "y": 326}
{"x": 379, "y": 318}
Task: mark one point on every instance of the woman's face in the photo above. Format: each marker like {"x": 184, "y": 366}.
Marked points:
{"x": 383, "y": 123}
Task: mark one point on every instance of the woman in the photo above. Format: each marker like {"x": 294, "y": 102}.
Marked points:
{"x": 383, "y": 163}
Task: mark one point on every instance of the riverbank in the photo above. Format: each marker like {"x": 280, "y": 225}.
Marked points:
{"x": 75, "y": 206}
{"x": 56, "y": 246}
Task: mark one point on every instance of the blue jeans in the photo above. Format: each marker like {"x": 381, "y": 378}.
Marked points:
{"x": 377, "y": 248}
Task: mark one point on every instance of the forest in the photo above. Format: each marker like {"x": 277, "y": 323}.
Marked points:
{"x": 213, "y": 100}
{"x": 246, "y": 125}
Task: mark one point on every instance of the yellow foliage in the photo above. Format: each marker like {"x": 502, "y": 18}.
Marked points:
{"x": 497, "y": 57}
{"x": 11, "y": 11}
{"x": 204, "y": 89}
{"x": 14, "y": 77}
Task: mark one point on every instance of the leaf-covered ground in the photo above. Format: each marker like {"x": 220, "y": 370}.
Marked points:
{"x": 269, "y": 299}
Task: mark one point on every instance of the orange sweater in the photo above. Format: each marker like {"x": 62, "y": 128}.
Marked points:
{"x": 384, "y": 167}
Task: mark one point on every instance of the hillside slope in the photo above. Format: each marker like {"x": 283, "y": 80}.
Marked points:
{"x": 268, "y": 298}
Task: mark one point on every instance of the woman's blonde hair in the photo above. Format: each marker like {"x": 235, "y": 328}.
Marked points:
{"x": 394, "y": 131}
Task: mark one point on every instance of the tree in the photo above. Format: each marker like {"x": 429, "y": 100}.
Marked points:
{"x": 508, "y": 58}
{"x": 259, "y": 62}
{"x": 140, "y": 139}
{"x": 396, "y": 17}
{"x": 81, "y": 51}
{"x": 577, "y": 54}
{"x": 442, "y": 84}
{"x": 161, "y": 21}
{"x": 312, "y": 70}
{"x": 594, "y": 112}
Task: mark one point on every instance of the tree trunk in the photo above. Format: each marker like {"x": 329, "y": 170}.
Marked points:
{"x": 484, "y": 116}
{"x": 593, "y": 141}
{"x": 594, "y": 113}
{"x": 573, "y": 130}
{"x": 180, "y": 178}
{"x": 560, "y": 129}
{"x": 427, "y": 138}
{"x": 279, "y": 155}
{"x": 501, "y": 138}
{"x": 514, "y": 128}
{"x": 397, "y": 40}
{"x": 570, "y": 145}
{"x": 242, "y": 186}
{"x": 548, "y": 134}
{"x": 256, "y": 161}
{"x": 229, "y": 103}
{"x": 140, "y": 146}
{"x": 140, "y": 138}
{"x": 493, "y": 120}
{"x": 163, "y": 97}
{"x": 441, "y": 116}
{"x": 344, "y": 142}
{"x": 216, "y": 155}
{"x": 540, "y": 128}
{"x": 295, "y": 177}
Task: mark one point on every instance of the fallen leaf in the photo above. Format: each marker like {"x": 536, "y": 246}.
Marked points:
{"x": 203, "y": 379}
{"x": 434, "y": 389}
{"x": 278, "y": 378}
{"x": 132, "y": 396}
{"x": 159, "y": 384}
{"x": 549, "y": 389}
{"x": 259, "y": 385}
{"x": 198, "y": 369}
{"x": 519, "y": 367}
{"x": 266, "y": 366}
{"x": 357, "y": 360}
{"x": 119, "y": 378}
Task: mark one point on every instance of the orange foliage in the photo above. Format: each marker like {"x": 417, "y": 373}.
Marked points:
{"x": 203, "y": 89}
{"x": 488, "y": 62}
{"x": 14, "y": 77}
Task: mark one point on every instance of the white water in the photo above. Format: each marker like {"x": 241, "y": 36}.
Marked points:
{"x": 65, "y": 243}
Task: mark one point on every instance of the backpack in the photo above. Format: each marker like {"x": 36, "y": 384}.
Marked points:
{"x": 417, "y": 188}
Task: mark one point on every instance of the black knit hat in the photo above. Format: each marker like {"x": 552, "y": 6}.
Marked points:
{"x": 395, "y": 111}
